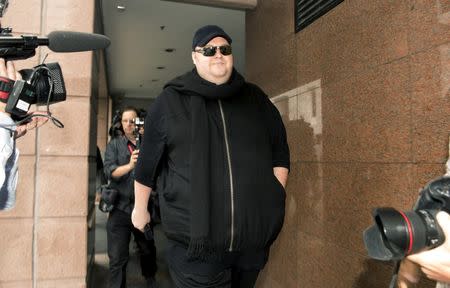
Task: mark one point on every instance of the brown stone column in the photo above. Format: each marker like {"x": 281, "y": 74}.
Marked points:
{"x": 364, "y": 93}
{"x": 44, "y": 239}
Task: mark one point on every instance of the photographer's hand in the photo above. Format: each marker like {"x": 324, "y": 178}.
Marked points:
{"x": 127, "y": 168}
{"x": 435, "y": 263}
{"x": 133, "y": 158}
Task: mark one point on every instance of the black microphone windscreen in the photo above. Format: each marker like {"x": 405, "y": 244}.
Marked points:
{"x": 69, "y": 41}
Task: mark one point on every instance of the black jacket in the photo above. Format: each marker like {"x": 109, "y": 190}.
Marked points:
{"x": 257, "y": 143}
{"x": 118, "y": 153}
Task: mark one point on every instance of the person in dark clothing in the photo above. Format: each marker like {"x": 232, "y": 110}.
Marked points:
{"x": 120, "y": 159}
{"x": 215, "y": 150}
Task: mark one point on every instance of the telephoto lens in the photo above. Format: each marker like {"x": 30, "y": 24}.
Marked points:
{"x": 397, "y": 234}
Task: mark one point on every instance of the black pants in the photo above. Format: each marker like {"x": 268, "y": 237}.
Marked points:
{"x": 119, "y": 229}
{"x": 236, "y": 270}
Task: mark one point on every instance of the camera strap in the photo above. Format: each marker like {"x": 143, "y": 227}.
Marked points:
{"x": 131, "y": 147}
{"x": 394, "y": 278}
{"x": 6, "y": 86}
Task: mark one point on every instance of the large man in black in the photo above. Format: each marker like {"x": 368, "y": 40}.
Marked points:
{"x": 120, "y": 159}
{"x": 215, "y": 149}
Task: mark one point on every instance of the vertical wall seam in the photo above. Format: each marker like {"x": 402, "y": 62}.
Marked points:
{"x": 36, "y": 167}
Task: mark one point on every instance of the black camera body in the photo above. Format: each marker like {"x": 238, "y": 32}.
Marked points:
{"x": 397, "y": 234}
{"x": 138, "y": 125}
{"x": 108, "y": 198}
{"x": 43, "y": 84}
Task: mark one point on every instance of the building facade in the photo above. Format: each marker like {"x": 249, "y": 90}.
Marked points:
{"x": 47, "y": 240}
{"x": 364, "y": 93}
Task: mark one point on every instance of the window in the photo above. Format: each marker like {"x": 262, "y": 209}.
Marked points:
{"x": 307, "y": 11}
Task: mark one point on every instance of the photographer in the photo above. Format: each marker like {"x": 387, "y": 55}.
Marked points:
{"x": 9, "y": 131}
{"x": 120, "y": 160}
{"x": 435, "y": 263}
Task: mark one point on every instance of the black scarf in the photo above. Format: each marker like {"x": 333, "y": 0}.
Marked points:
{"x": 202, "y": 227}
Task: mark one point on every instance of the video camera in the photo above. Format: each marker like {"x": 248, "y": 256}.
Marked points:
{"x": 43, "y": 84}
{"x": 397, "y": 234}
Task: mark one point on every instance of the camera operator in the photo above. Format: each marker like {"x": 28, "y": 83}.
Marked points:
{"x": 9, "y": 132}
{"x": 435, "y": 263}
{"x": 120, "y": 160}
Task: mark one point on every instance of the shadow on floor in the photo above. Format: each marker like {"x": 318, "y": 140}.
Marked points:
{"x": 134, "y": 278}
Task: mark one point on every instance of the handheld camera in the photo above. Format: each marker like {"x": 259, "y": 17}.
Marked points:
{"x": 43, "y": 84}
{"x": 397, "y": 234}
{"x": 138, "y": 125}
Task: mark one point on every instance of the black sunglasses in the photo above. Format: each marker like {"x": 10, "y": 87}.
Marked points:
{"x": 211, "y": 50}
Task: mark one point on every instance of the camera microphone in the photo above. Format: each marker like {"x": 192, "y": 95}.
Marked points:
{"x": 69, "y": 41}
{"x": 14, "y": 48}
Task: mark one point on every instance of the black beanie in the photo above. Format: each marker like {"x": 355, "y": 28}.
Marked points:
{"x": 206, "y": 33}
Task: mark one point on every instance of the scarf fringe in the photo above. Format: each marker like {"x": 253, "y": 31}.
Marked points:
{"x": 202, "y": 249}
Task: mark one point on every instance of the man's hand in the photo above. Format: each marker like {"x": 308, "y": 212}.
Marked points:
{"x": 139, "y": 218}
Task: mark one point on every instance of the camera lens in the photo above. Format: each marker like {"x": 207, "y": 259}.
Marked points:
{"x": 397, "y": 234}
